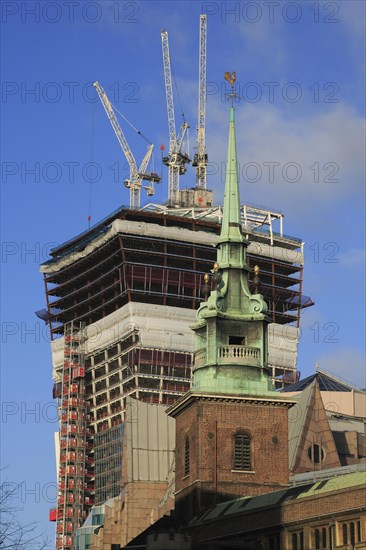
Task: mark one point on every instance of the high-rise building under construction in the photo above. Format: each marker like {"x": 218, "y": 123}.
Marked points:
{"x": 120, "y": 301}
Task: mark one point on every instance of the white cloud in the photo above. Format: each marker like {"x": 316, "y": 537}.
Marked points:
{"x": 332, "y": 143}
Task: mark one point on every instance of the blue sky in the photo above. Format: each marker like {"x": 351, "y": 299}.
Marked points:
{"x": 300, "y": 73}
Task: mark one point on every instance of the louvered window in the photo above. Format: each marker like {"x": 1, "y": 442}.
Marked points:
{"x": 242, "y": 452}
{"x": 186, "y": 457}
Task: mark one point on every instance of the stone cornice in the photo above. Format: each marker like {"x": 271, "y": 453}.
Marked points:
{"x": 191, "y": 397}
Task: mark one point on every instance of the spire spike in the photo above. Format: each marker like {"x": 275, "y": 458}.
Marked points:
{"x": 231, "y": 223}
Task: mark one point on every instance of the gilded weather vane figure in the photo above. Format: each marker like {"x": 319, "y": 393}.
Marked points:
{"x": 231, "y": 78}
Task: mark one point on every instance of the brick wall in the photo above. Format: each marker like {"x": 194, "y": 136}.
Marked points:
{"x": 210, "y": 426}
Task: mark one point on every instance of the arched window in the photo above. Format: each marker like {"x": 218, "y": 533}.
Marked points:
{"x": 345, "y": 533}
{"x": 358, "y": 531}
{"x": 352, "y": 533}
{"x": 324, "y": 537}
{"x": 242, "y": 451}
{"x": 186, "y": 457}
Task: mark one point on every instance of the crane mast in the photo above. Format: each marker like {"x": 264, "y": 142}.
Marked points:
{"x": 200, "y": 158}
{"x": 177, "y": 159}
{"x": 169, "y": 91}
{"x": 137, "y": 175}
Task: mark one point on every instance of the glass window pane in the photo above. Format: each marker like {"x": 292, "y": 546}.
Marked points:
{"x": 301, "y": 541}
{"x": 324, "y": 537}
{"x": 352, "y": 532}
{"x": 317, "y": 539}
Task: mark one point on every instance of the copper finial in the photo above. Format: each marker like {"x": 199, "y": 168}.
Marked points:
{"x": 205, "y": 289}
{"x": 216, "y": 274}
{"x": 256, "y": 280}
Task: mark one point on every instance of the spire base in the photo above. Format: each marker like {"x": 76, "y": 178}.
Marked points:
{"x": 232, "y": 380}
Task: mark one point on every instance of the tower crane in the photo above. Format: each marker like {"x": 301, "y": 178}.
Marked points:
{"x": 177, "y": 158}
{"x": 200, "y": 158}
{"x": 137, "y": 175}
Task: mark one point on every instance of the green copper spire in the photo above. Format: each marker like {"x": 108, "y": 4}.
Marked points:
{"x": 231, "y": 326}
{"x": 231, "y": 249}
{"x": 231, "y": 221}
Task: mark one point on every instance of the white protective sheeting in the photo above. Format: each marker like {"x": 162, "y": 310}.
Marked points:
{"x": 282, "y": 345}
{"x": 171, "y": 233}
{"x": 165, "y": 327}
{"x": 168, "y": 327}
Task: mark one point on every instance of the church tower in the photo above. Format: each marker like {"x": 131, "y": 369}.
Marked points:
{"x": 231, "y": 427}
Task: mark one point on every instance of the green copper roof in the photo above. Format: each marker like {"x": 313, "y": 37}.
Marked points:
{"x": 231, "y": 222}
{"x": 336, "y": 484}
{"x": 246, "y": 504}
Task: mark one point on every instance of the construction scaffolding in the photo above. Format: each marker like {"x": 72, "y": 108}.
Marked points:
{"x": 108, "y": 452}
{"x": 152, "y": 375}
{"x": 75, "y": 473}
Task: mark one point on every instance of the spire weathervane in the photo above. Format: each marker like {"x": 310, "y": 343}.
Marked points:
{"x": 231, "y": 78}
